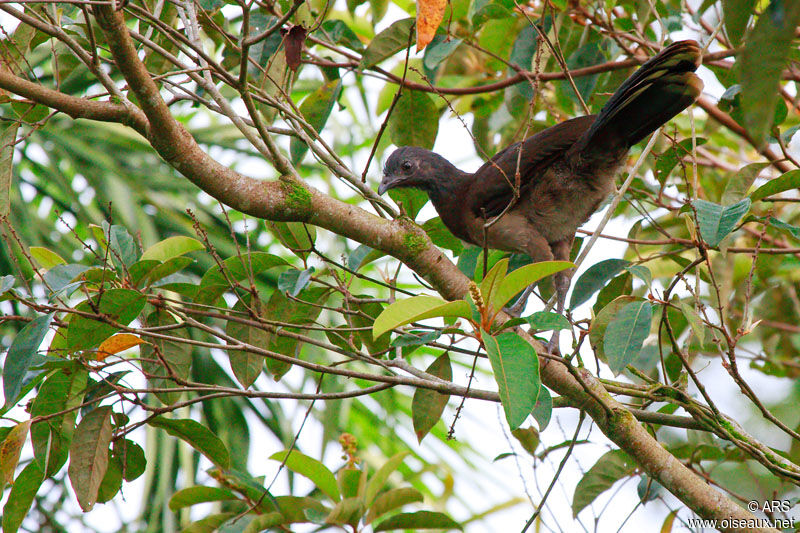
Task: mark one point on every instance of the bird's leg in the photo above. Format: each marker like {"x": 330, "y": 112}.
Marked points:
{"x": 537, "y": 249}
{"x": 561, "y": 250}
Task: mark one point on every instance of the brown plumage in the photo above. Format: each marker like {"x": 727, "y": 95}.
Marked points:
{"x": 565, "y": 171}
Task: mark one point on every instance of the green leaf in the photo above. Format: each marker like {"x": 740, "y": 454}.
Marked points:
{"x": 527, "y": 437}
{"x": 766, "y": 53}
{"x": 57, "y": 400}
{"x": 412, "y": 199}
{"x": 47, "y": 259}
{"x": 316, "y": 108}
{"x": 441, "y": 236}
{"x": 625, "y": 334}
{"x": 132, "y": 456}
{"x": 737, "y": 186}
{"x": 177, "y": 355}
{"x": 21, "y": 497}
{"x": 543, "y": 409}
{"x": 392, "y": 499}
{"x": 197, "y": 436}
{"x": 414, "y": 120}
{"x": 414, "y": 309}
{"x": 264, "y": 522}
{"x": 378, "y": 480}
{"x": 548, "y": 321}
{"x": 388, "y": 42}
{"x": 737, "y": 14}
{"x": 6, "y": 283}
{"x": 491, "y": 281}
{"x": 428, "y": 405}
{"x": 21, "y": 354}
{"x": 236, "y": 268}
{"x": 787, "y": 182}
{"x": 418, "y": 520}
{"x": 516, "y": 370}
{"x": 298, "y": 508}
{"x": 293, "y": 281}
{"x": 123, "y": 248}
{"x": 314, "y": 470}
{"x": 524, "y": 276}
{"x": 346, "y": 511}
{"x": 609, "y": 469}
{"x": 246, "y": 366}
{"x": 594, "y": 279}
{"x": 194, "y": 495}
{"x": 172, "y": 247}
{"x": 296, "y": 236}
{"x": 120, "y": 305}
{"x": 439, "y": 50}
{"x": 8, "y": 139}
{"x": 716, "y": 221}
{"x": 89, "y": 455}
{"x": 670, "y": 157}
{"x": 340, "y": 33}
{"x": 695, "y": 322}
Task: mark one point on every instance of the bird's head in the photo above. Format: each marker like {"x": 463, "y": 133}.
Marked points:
{"x": 410, "y": 166}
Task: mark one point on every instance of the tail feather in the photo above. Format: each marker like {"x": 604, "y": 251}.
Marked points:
{"x": 663, "y": 87}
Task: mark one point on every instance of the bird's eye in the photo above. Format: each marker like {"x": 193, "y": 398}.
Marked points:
{"x": 406, "y": 166}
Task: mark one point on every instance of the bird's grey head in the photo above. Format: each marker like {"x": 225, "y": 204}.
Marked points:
{"x": 410, "y": 166}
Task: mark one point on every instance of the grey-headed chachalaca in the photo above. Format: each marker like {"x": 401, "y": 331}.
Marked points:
{"x": 565, "y": 171}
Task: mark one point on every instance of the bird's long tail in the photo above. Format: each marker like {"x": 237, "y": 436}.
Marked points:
{"x": 663, "y": 87}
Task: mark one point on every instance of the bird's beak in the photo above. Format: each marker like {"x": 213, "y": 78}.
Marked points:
{"x": 388, "y": 182}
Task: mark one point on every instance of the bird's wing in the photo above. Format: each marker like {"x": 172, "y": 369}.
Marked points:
{"x": 492, "y": 187}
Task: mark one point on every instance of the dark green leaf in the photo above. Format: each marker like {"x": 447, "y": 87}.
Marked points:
{"x": 626, "y": 333}
{"x": 609, "y": 469}
{"x": 765, "y": 55}
{"x": 120, "y": 305}
{"x": 21, "y": 497}
{"x": 737, "y": 13}
{"x": 543, "y": 409}
{"x": 316, "y": 108}
{"x": 418, "y": 520}
{"x": 438, "y": 50}
{"x": 414, "y": 120}
{"x": 194, "y": 495}
{"x": 388, "y": 42}
{"x": 293, "y": 281}
{"x": 515, "y": 366}
{"x": 21, "y": 353}
{"x": 197, "y": 436}
{"x": 594, "y": 278}
{"x": 717, "y": 221}
{"x": 787, "y": 182}
{"x": 548, "y": 321}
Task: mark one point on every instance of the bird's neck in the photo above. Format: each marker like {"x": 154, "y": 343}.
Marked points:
{"x": 445, "y": 195}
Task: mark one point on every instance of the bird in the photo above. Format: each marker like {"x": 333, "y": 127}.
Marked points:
{"x": 532, "y": 196}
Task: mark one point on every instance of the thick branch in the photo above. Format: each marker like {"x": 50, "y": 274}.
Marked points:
{"x": 72, "y": 105}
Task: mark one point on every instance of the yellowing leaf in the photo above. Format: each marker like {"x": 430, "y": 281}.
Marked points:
{"x": 429, "y": 16}
{"x": 116, "y": 344}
